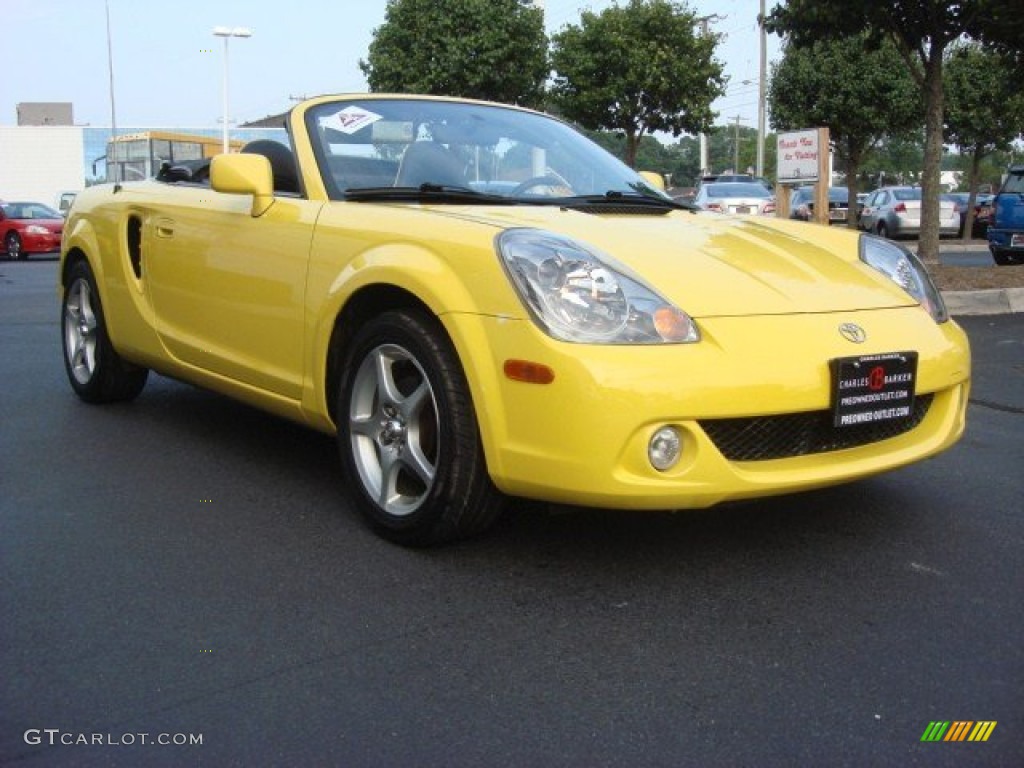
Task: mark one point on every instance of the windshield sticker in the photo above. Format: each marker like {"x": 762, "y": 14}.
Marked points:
{"x": 350, "y": 120}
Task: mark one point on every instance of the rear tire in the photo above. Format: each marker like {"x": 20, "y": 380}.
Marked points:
{"x": 408, "y": 435}
{"x": 882, "y": 230}
{"x": 1003, "y": 258}
{"x": 95, "y": 370}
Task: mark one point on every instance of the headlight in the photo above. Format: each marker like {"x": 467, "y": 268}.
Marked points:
{"x": 903, "y": 268}
{"x": 574, "y": 293}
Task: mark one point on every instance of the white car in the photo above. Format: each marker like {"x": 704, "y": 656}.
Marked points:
{"x": 743, "y": 197}
{"x": 896, "y": 212}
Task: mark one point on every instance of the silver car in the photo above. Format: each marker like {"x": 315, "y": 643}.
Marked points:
{"x": 896, "y": 212}
{"x": 748, "y": 197}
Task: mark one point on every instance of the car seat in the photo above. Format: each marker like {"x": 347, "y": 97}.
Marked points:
{"x": 427, "y": 162}
{"x": 282, "y": 163}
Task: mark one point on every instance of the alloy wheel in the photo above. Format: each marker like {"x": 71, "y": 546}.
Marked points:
{"x": 394, "y": 427}
{"x": 80, "y": 334}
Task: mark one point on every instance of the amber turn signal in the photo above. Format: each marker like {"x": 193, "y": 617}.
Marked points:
{"x": 531, "y": 373}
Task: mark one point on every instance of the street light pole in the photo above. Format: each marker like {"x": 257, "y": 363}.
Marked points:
{"x": 227, "y": 33}
{"x": 761, "y": 94}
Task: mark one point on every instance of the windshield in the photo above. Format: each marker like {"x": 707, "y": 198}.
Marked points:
{"x": 395, "y": 143}
{"x": 737, "y": 189}
{"x": 907, "y": 194}
{"x": 1014, "y": 183}
{"x": 29, "y": 211}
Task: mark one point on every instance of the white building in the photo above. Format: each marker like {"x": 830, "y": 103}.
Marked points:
{"x": 39, "y": 162}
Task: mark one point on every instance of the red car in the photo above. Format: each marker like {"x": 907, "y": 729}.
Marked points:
{"x": 29, "y": 228}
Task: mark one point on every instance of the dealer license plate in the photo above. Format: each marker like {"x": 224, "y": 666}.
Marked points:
{"x": 873, "y": 388}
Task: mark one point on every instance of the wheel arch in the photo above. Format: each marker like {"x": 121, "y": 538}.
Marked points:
{"x": 80, "y": 243}
{"x": 367, "y": 302}
{"x": 481, "y": 377}
{"x": 72, "y": 257}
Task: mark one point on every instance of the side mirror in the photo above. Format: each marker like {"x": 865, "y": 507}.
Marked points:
{"x": 244, "y": 175}
{"x": 655, "y": 179}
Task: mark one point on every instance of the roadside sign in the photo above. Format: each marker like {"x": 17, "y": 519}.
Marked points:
{"x": 799, "y": 156}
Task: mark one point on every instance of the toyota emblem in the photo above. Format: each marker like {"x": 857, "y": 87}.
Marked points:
{"x": 853, "y": 332}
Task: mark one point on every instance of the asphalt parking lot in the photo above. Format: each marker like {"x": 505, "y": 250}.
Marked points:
{"x": 184, "y": 566}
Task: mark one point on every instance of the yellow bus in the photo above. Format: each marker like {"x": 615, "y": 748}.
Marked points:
{"x": 134, "y": 156}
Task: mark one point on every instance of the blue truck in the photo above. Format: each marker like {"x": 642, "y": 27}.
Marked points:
{"x": 1006, "y": 229}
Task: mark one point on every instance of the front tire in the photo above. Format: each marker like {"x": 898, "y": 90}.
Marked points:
{"x": 95, "y": 370}
{"x": 12, "y": 243}
{"x": 408, "y": 435}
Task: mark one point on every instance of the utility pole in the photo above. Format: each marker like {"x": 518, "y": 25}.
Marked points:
{"x": 704, "y": 162}
{"x": 736, "y": 146}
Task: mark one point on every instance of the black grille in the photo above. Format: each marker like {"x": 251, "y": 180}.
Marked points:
{"x": 624, "y": 209}
{"x": 799, "y": 434}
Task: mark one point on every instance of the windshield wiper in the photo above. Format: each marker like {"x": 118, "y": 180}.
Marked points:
{"x": 435, "y": 193}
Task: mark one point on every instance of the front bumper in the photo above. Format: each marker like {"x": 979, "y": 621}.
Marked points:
{"x": 583, "y": 438}
{"x": 36, "y": 243}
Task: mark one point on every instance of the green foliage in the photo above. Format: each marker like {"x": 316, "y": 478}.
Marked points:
{"x": 984, "y": 100}
{"x": 651, "y": 154}
{"x": 984, "y": 107}
{"x": 894, "y": 160}
{"x": 681, "y": 161}
{"x": 636, "y": 69}
{"x": 483, "y": 49}
{"x": 861, "y": 93}
{"x": 921, "y": 30}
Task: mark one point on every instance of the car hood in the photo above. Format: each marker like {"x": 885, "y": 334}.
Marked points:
{"x": 715, "y": 265}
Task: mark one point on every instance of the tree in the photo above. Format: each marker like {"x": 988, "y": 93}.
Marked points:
{"x": 637, "y": 69}
{"x": 984, "y": 109}
{"x": 895, "y": 160}
{"x": 922, "y": 30}
{"x": 651, "y": 154}
{"x": 483, "y": 49}
{"x": 859, "y": 94}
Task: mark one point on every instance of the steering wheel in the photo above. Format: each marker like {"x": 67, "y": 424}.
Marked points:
{"x": 547, "y": 180}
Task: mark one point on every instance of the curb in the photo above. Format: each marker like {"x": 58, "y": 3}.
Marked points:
{"x": 996, "y": 301}
{"x": 993, "y": 301}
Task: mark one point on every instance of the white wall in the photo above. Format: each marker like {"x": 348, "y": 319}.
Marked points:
{"x": 39, "y": 163}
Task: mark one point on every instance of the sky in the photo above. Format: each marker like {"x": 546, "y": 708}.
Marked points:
{"x": 168, "y": 66}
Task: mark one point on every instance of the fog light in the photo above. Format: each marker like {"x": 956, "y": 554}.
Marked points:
{"x": 665, "y": 448}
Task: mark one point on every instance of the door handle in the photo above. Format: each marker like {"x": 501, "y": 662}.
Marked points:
{"x": 164, "y": 228}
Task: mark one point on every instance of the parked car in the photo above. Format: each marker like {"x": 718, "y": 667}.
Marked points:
{"x": 708, "y": 178}
{"x": 29, "y": 228}
{"x": 737, "y": 197}
{"x": 801, "y": 204}
{"x": 1006, "y": 228}
{"x": 471, "y": 325}
{"x": 982, "y": 211}
{"x": 896, "y": 212}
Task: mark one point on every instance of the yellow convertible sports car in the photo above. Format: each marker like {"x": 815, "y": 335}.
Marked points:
{"x": 481, "y": 303}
